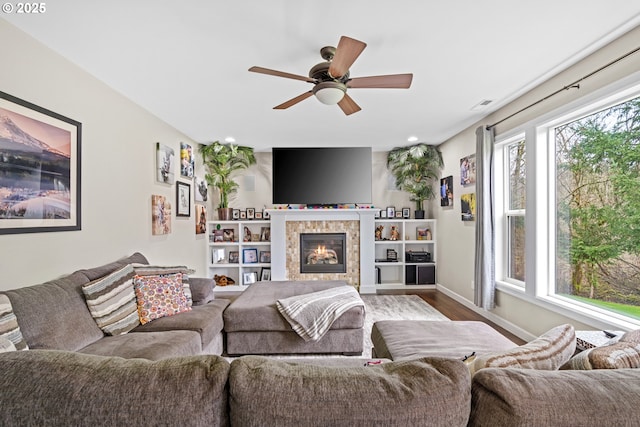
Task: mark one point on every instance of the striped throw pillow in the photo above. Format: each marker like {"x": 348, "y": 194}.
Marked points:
{"x": 112, "y": 301}
{"x": 9, "y": 328}
{"x": 547, "y": 352}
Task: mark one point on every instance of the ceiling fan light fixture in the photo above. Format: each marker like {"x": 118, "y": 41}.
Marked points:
{"x": 330, "y": 93}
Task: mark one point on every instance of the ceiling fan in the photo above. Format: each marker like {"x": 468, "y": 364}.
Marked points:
{"x": 331, "y": 78}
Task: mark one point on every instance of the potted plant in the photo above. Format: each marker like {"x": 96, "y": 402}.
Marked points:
{"x": 220, "y": 162}
{"x": 416, "y": 168}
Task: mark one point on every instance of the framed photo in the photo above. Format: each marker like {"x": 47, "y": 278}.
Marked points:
{"x": 165, "y": 157}
{"x": 183, "y": 199}
{"x": 228, "y": 234}
{"x": 259, "y": 215}
{"x": 160, "y": 215}
{"x": 201, "y": 219}
{"x": 249, "y": 277}
{"x": 383, "y": 213}
{"x": 391, "y": 212}
{"x": 187, "y": 160}
{"x": 233, "y": 257}
{"x": 468, "y": 170}
{"x": 218, "y": 236}
{"x": 201, "y": 191}
{"x": 406, "y": 213}
{"x": 217, "y": 256}
{"x": 399, "y": 214}
{"x": 251, "y": 213}
{"x": 250, "y": 256}
{"x": 236, "y": 214}
{"x": 446, "y": 191}
{"x": 265, "y": 274}
{"x": 53, "y": 169}
{"x": 265, "y": 234}
{"x": 243, "y": 214}
{"x": 265, "y": 257}
{"x": 265, "y": 214}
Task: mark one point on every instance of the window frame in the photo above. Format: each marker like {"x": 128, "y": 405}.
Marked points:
{"x": 539, "y": 285}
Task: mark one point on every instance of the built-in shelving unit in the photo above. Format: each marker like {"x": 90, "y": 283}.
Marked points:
{"x": 394, "y": 239}
{"x": 240, "y": 250}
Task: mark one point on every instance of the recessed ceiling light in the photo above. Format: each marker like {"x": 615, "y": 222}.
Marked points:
{"x": 229, "y": 139}
{"x": 412, "y": 139}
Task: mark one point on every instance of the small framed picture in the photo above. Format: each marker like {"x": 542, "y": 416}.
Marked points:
{"x": 265, "y": 214}
{"x": 236, "y": 214}
{"x": 233, "y": 257}
{"x": 265, "y": 257}
{"x": 406, "y": 213}
{"x": 398, "y": 214}
{"x": 243, "y": 214}
{"x": 265, "y": 274}
{"x": 391, "y": 212}
{"x": 218, "y": 236}
{"x": 265, "y": 234}
{"x": 183, "y": 199}
{"x": 250, "y": 256}
{"x": 383, "y": 213}
{"x": 249, "y": 277}
{"x": 217, "y": 256}
{"x": 258, "y": 215}
{"x": 251, "y": 213}
{"x": 228, "y": 234}
{"x": 377, "y": 215}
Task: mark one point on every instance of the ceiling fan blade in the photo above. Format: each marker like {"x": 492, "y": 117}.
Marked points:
{"x": 276, "y": 73}
{"x": 392, "y": 81}
{"x": 293, "y": 101}
{"x": 347, "y": 52}
{"x": 348, "y": 105}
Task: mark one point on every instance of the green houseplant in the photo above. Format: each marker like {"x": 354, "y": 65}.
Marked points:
{"x": 220, "y": 162}
{"x": 416, "y": 168}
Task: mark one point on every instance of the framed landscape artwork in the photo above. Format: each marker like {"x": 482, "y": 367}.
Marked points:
{"x": 40, "y": 179}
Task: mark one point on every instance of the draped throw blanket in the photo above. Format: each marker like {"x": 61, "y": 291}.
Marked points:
{"x": 311, "y": 315}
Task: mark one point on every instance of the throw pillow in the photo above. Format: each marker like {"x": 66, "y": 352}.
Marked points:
{"x": 548, "y": 352}
{"x": 631, "y": 336}
{"x": 6, "y": 345}
{"x": 159, "y": 296}
{"x": 157, "y": 270}
{"x": 112, "y": 301}
{"x": 9, "y": 327}
{"x": 623, "y": 354}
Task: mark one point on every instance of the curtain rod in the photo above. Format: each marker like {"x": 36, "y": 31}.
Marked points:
{"x": 574, "y": 85}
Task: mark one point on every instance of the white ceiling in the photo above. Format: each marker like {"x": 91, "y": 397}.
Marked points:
{"x": 187, "y": 61}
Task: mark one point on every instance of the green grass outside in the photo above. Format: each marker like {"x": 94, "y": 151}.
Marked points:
{"x": 624, "y": 309}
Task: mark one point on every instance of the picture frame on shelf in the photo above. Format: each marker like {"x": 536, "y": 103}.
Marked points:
{"x": 265, "y": 234}
{"x": 249, "y": 277}
{"x": 243, "y": 214}
{"x": 399, "y": 214}
{"x": 251, "y": 213}
{"x": 265, "y": 274}
{"x": 265, "y": 214}
{"x": 234, "y": 257}
{"x": 258, "y": 215}
{"x": 265, "y": 257}
{"x": 218, "y": 236}
{"x": 423, "y": 233}
{"x": 235, "y": 214}
{"x": 391, "y": 212}
{"x": 406, "y": 213}
{"x": 228, "y": 234}
{"x": 383, "y": 214}
{"x": 250, "y": 256}
{"x": 58, "y": 159}
{"x": 183, "y": 199}
{"x": 217, "y": 256}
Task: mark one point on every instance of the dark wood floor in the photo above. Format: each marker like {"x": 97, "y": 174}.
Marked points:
{"x": 453, "y": 309}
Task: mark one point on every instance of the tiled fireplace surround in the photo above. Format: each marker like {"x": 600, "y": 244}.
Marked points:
{"x": 358, "y": 224}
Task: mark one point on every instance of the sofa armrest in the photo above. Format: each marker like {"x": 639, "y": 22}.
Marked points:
{"x": 60, "y": 388}
{"x": 202, "y": 290}
{"x": 526, "y": 397}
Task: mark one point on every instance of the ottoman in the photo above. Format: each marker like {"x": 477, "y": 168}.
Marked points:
{"x": 408, "y": 339}
{"x": 253, "y": 324}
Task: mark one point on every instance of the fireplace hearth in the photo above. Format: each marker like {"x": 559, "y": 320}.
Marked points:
{"x": 322, "y": 253}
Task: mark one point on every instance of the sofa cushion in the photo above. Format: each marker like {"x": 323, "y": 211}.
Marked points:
{"x": 623, "y": 354}
{"x": 9, "y": 328}
{"x": 157, "y": 270}
{"x": 631, "y": 336}
{"x": 147, "y": 345}
{"x": 159, "y": 296}
{"x": 94, "y": 273}
{"x": 427, "y": 391}
{"x": 72, "y": 389}
{"x": 206, "y": 320}
{"x": 529, "y": 397}
{"x": 6, "y": 345}
{"x": 549, "y": 351}
{"x": 202, "y": 290}
{"x": 112, "y": 301}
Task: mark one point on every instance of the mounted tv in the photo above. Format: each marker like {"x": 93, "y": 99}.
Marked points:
{"x": 322, "y": 176}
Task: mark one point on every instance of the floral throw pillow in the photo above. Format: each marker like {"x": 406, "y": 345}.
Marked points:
{"x": 159, "y": 296}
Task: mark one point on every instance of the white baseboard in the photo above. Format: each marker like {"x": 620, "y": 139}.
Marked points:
{"x": 514, "y": 329}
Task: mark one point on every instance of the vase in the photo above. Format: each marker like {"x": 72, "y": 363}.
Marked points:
{"x": 419, "y": 214}
{"x": 225, "y": 214}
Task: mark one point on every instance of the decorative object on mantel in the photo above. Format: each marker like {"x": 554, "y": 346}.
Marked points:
{"x": 221, "y": 161}
{"x": 416, "y": 168}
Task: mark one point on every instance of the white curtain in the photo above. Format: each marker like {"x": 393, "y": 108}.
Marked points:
{"x": 484, "y": 275}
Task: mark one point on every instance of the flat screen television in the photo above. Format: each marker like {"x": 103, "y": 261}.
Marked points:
{"x": 322, "y": 176}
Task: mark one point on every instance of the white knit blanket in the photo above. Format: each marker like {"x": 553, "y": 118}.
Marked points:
{"x": 311, "y": 315}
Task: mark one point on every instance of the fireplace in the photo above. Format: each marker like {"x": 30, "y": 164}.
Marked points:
{"x": 322, "y": 253}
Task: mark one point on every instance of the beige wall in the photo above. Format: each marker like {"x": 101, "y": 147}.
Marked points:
{"x": 455, "y": 245}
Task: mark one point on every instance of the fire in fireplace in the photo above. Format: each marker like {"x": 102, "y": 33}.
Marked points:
{"x": 322, "y": 253}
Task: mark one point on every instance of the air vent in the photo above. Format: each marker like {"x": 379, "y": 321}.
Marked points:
{"x": 481, "y": 105}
